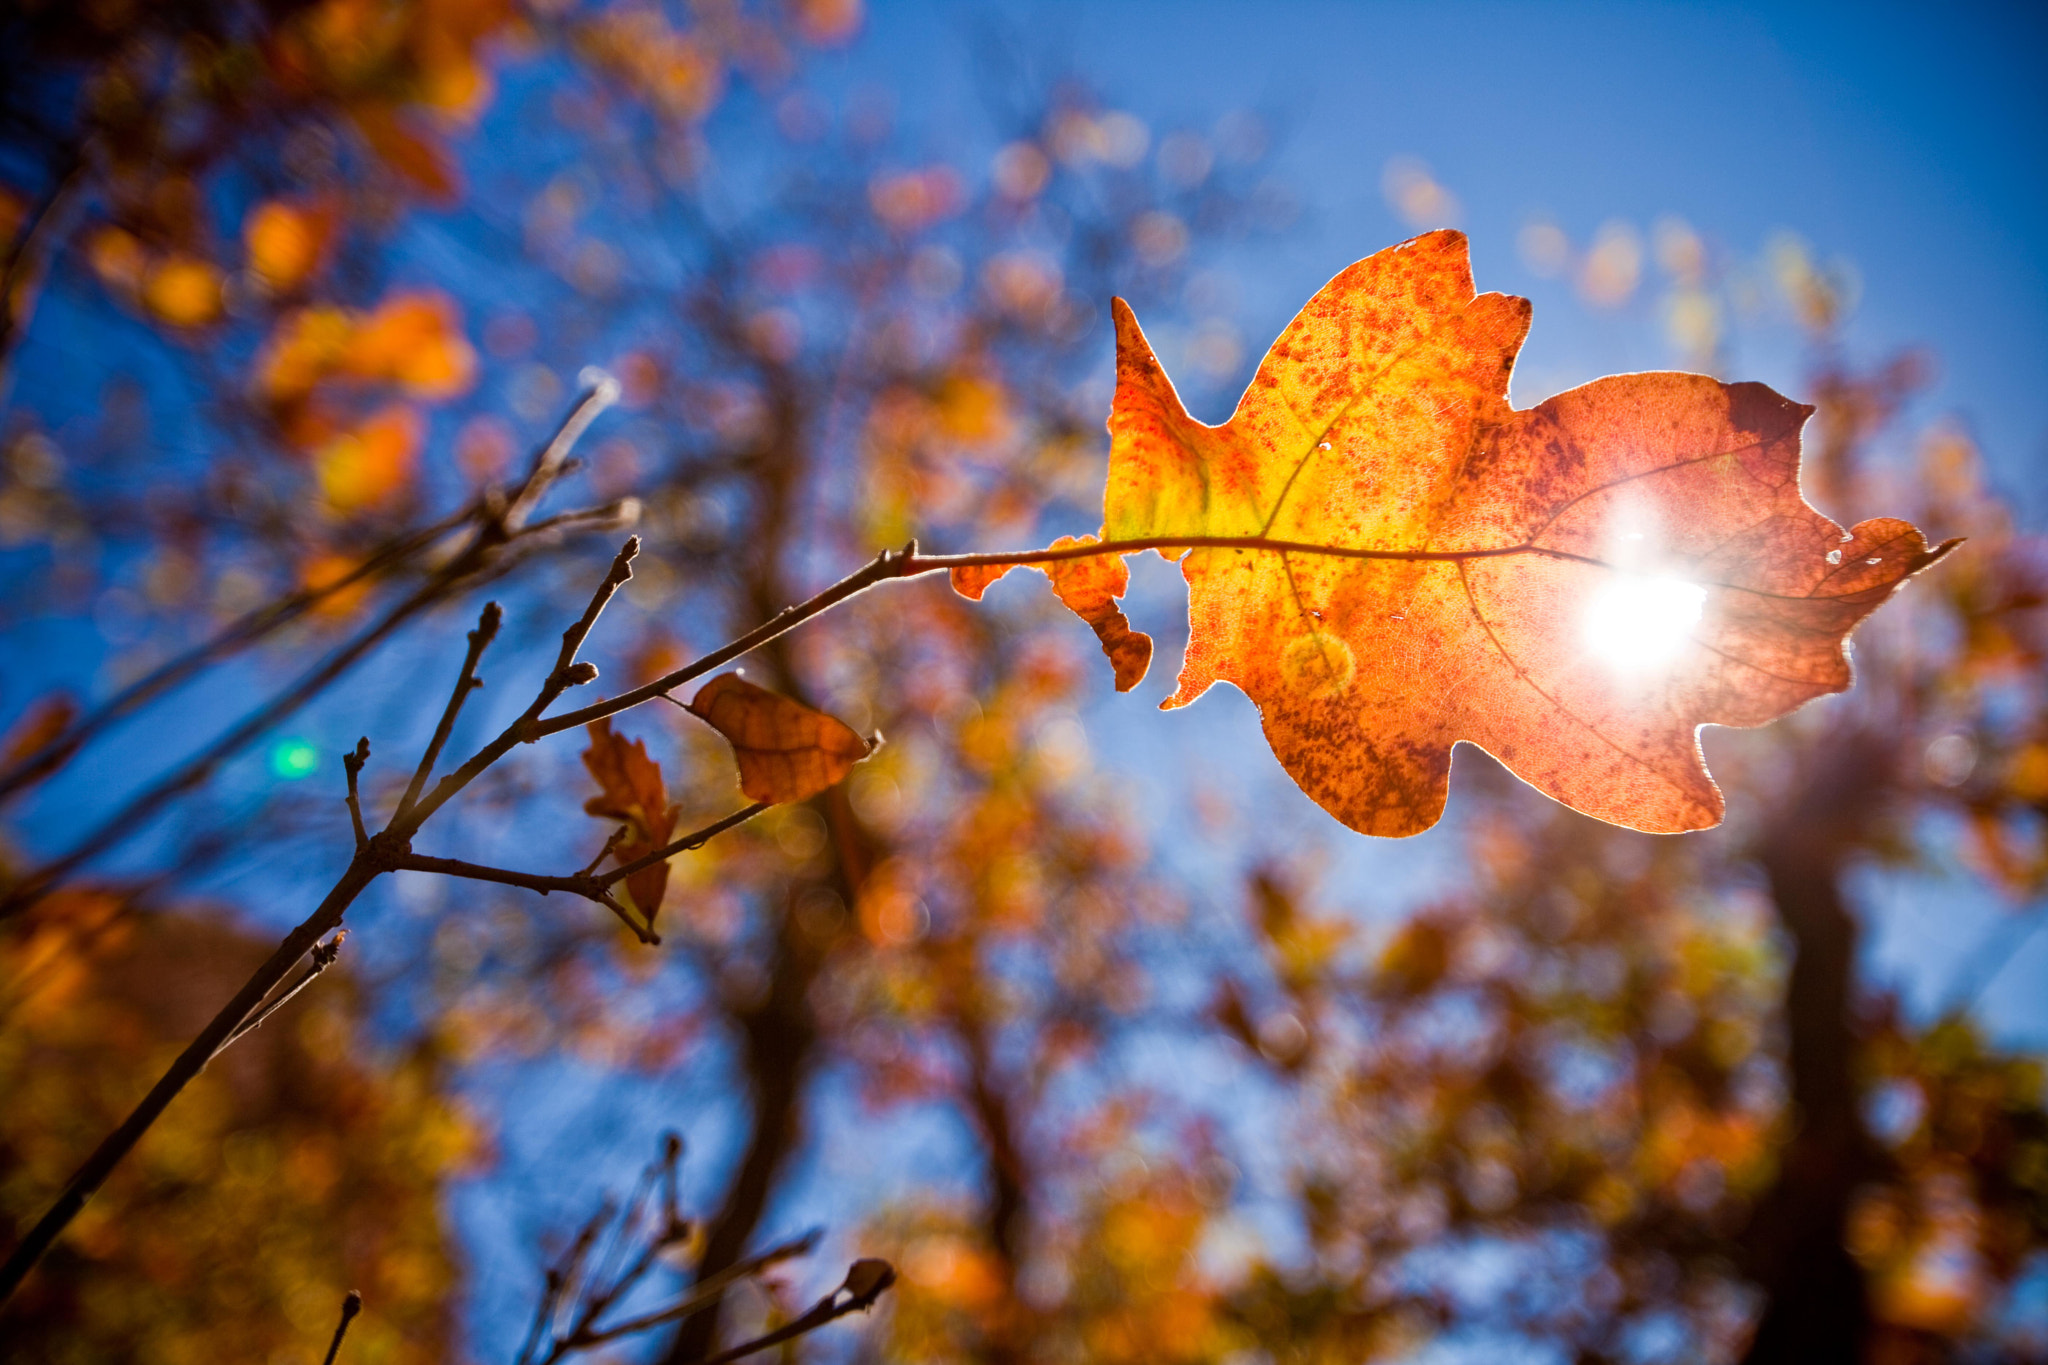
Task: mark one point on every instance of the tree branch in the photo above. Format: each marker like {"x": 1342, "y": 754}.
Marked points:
{"x": 324, "y": 955}
{"x": 585, "y": 883}
{"x": 379, "y": 854}
{"x": 350, "y": 1306}
{"x": 324, "y": 920}
{"x": 865, "y": 1282}
{"x": 465, "y": 683}
{"x": 251, "y": 628}
{"x": 701, "y": 1293}
{"x": 479, "y": 561}
{"x": 567, "y": 673}
{"x": 352, "y": 764}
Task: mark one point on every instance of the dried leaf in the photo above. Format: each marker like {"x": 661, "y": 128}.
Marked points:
{"x": 786, "y": 751}
{"x": 631, "y": 792}
{"x": 1388, "y": 559}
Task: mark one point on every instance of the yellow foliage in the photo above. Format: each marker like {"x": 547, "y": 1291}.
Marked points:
{"x": 297, "y": 1167}
{"x": 183, "y": 291}
{"x": 370, "y": 465}
{"x": 285, "y": 243}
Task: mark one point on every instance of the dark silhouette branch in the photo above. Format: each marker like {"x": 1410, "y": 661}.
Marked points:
{"x": 378, "y": 855}
{"x": 324, "y": 956}
{"x": 479, "y": 561}
{"x": 352, "y": 764}
{"x": 350, "y": 1306}
{"x": 479, "y": 640}
{"x": 252, "y": 628}
{"x": 866, "y": 1281}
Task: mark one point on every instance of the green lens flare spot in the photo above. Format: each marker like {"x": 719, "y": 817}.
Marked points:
{"x": 294, "y": 759}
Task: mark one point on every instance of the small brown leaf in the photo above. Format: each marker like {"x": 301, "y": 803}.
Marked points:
{"x": 786, "y": 751}
{"x": 631, "y": 792}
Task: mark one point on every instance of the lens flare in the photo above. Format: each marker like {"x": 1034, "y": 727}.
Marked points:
{"x": 1635, "y": 623}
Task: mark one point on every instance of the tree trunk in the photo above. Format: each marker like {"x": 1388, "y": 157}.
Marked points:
{"x": 1817, "y": 1308}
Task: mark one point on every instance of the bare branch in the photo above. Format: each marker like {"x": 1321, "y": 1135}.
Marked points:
{"x": 325, "y": 918}
{"x": 465, "y": 683}
{"x": 686, "y": 844}
{"x": 600, "y": 392}
{"x": 584, "y": 883}
{"x": 381, "y": 853}
{"x": 251, "y": 628}
{"x": 350, "y": 1306}
{"x": 324, "y": 955}
{"x": 701, "y": 1293}
{"x": 567, "y": 673}
{"x": 884, "y": 566}
{"x": 352, "y": 764}
{"x": 866, "y": 1281}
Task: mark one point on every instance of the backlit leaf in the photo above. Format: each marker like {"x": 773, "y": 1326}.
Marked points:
{"x": 1388, "y": 559}
{"x": 786, "y": 751}
{"x": 631, "y": 792}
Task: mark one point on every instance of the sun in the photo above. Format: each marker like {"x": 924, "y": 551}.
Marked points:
{"x": 1637, "y": 624}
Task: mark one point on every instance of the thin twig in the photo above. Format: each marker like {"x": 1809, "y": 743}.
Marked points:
{"x": 567, "y": 673}
{"x": 26, "y": 257}
{"x": 478, "y": 561}
{"x": 590, "y": 867}
{"x": 324, "y": 955}
{"x": 350, "y": 1306}
{"x": 600, "y": 392}
{"x": 686, "y": 844}
{"x": 352, "y": 764}
{"x": 884, "y": 566}
{"x": 586, "y": 884}
{"x": 465, "y": 683}
{"x": 251, "y": 628}
{"x": 701, "y": 1293}
{"x": 865, "y": 1282}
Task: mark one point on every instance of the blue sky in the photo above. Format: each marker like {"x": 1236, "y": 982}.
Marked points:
{"x": 1909, "y": 140}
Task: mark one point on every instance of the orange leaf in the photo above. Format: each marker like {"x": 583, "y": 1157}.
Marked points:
{"x": 631, "y": 792}
{"x": 370, "y": 465}
{"x": 786, "y": 751}
{"x": 1089, "y": 588}
{"x": 1388, "y": 559}
{"x": 286, "y": 242}
{"x": 183, "y": 290}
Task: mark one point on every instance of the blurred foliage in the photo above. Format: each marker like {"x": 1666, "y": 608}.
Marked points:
{"x": 353, "y": 254}
{"x": 304, "y": 1163}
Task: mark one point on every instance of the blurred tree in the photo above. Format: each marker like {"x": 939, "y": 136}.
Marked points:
{"x": 1620, "y": 1095}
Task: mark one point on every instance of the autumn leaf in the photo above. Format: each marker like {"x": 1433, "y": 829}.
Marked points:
{"x": 786, "y": 751}
{"x": 286, "y": 243}
{"x": 1089, "y": 588}
{"x": 631, "y": 791}
{"x": 1389, "y": 559}
{"x": 370, "y": 465}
